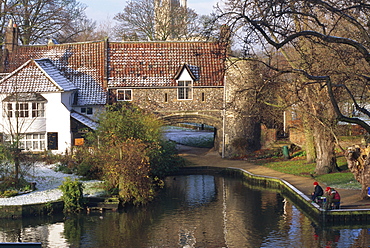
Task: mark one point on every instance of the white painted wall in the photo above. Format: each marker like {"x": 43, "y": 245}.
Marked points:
{"x": 25, "y": 125}
{"x": 185, "y": 76}
{"x": 58, "y": 119}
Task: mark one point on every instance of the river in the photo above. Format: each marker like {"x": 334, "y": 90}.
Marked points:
{"x": 191, "y": 211}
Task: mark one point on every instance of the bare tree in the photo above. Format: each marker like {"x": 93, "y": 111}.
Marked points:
{"x": 157, "y": 20}
{"x": 332, "y": 40}
{"x": 39, "y": 20}
{"x": 79, "y": 30}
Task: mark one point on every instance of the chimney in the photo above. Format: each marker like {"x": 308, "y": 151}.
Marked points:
{"x": 225, "y": 36}
{"x": 11, "y": 37}
{"x": 10, "y": 43}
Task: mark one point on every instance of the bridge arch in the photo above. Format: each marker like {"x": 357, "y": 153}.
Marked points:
{"x": 209, "y": 120}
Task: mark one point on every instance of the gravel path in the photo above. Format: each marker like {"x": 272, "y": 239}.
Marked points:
{"x": 47, "y": 182}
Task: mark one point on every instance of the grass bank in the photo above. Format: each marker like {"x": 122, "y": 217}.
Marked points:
{"x": 343, "y": 179}
{"x": 296, "y": 165}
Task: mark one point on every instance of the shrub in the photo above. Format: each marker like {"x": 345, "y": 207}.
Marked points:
{"x": 165, "y": 159}
{"x": 72, "y": 195}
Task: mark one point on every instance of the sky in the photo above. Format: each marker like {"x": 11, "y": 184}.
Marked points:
{"x": 102, "y": 10}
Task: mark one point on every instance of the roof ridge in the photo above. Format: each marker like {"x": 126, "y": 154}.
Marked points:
{"x": 63, "y": 44}
{"x": 16, "y": 70}
{"x": 50, "y": 76}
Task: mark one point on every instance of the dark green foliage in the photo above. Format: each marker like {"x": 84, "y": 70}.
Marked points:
{"x": 165, "y": 160}
{"x": 72, "y": 195}
{"x": 10, "y": 183}
{"x": 73, "y": 230}
{"x": 122, "y": 121}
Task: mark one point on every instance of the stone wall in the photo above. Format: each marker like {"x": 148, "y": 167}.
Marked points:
{"x": 206, "y": 107}
{"x": 19, "y": 211}
{"x": 164, "y": 100}
{"x": 235, "y": 116}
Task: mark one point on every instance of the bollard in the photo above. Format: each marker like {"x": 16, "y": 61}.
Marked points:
{"x": 286, "y": 152}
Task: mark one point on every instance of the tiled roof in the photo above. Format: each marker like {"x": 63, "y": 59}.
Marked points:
{"x": 35, "y": 76}
{"x": 81, "y": 63}
{"x": 95, "y": 66}
{"x": 156, "y": 63}
{"x": 51, "y": 71}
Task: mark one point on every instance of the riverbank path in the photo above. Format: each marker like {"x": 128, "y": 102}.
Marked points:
{"x": 350, "y": 199}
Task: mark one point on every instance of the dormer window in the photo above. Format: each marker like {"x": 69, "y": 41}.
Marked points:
{"x": 185, "y": 90}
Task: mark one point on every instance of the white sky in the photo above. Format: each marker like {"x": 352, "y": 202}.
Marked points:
{"x": 102, "y": 10}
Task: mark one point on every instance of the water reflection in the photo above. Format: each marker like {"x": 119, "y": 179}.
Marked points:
{"x": 193, "y": 211}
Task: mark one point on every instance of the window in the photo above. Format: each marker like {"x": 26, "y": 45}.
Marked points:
{"x": 22, "y": 110}
{"x": 26, "y": 110}
{"x": 184, "y": 90}
{"x": 10, "y": 110}
{"x": 30, "y": 141}
{"x": 124, "y": 95}
{"x": 203, "y": 97}
{"x": 88, "y": 111}
{"x": 165, "y": 97}
{"x": 38, "y": 109}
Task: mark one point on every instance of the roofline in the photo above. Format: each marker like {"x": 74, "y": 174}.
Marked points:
{"x": 162, "y": 41}
{"x": 63, "y": 44}
{"x": 118, "y": 42}
{"x": 44, "y": 72}
{"x": 160, "y": 87}
{"x": 48, "y": 76}
{"x": 16, "y": 70}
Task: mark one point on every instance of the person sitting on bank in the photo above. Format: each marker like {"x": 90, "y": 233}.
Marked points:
{"x": 332, "y": 198}
{"x": 317, "y": 192}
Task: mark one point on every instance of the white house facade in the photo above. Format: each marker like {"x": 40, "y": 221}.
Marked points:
{"x": 37, "y": 106}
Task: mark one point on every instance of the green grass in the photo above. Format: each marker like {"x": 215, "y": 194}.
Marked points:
{"x": 294, "y": 167}
{"x": 343, "y": 179}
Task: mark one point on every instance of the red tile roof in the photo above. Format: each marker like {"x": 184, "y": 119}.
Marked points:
{"x": 101, "y": 65}
{"x": 71, "y": 59}
{"x": 156, "y": 63}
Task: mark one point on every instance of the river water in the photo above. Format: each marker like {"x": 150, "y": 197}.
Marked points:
{"x": 192, "y": 211}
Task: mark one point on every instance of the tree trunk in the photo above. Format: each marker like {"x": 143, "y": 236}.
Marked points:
{"x": 16, "y": 166}
{"x": 309, "y": 146}
{"x": 359, "y": 164}
{"x": 325, "y": 161}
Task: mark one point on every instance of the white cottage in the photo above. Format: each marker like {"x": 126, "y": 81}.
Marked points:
{"x": 43, "y": 106}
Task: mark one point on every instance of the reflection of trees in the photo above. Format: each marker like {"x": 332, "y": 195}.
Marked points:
{"x": 237, "y": 216}
{"x": 250, "y": 211}
{"x": 73, "y": 229}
